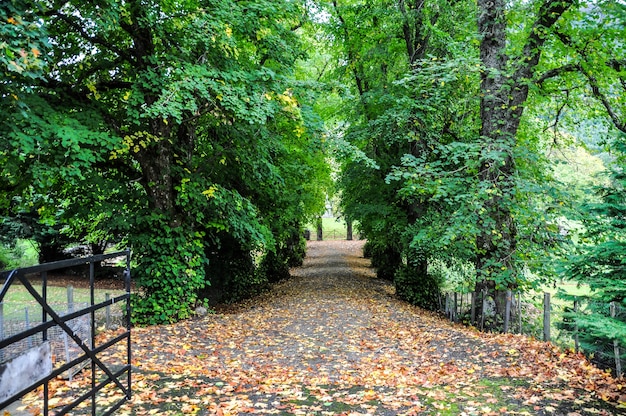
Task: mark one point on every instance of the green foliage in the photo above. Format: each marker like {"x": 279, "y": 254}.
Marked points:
{"x": 23, "y": 43}
{"x": 423, "y": 290}
{"x": 176, "y": 128}
{"x": 599, "y": 264}
{"x": 190, "y": 131}
{"x": 169, "y": 269}
{"x": 19, "y": 253}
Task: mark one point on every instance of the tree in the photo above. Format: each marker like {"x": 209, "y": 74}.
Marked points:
{"x": 599, "y": 263}
{"x": 398, "y": 120}
{"x": 182, "y": 116}
{"x": 504, "y": 90}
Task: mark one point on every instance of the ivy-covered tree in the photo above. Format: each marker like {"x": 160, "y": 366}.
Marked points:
{"x": 176, "y": 127}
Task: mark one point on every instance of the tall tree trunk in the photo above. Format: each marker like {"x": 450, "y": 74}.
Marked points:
{"x": 320, "y": 231}
{"x": 156, "y": 160}
{"x": 348, "y": 229}
{"x": 503, "y": 94}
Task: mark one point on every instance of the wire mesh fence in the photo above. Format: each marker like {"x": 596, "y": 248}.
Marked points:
{"x": 44, "y": 337}
{"x": 541, "y": 317}
{"x": 15, "y": 319}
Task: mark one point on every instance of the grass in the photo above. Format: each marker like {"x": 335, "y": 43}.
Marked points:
{"x": 18, "y": 295}
{"x": 332, "y": 229}
{"x": 23, "y": 254}
{"x": 18, "y": 300}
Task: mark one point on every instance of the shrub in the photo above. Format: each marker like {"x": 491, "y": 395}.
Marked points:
{"x": 420, "y": 289}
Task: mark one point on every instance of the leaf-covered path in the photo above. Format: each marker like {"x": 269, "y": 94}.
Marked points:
{"x": 334, "y": 340}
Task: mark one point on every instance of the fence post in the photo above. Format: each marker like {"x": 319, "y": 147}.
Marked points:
{"x": 27, "y": 319}
{"x": 482, "y": 314}
{"x": 1, "y": 330}
{"x": 576, "y": 341}
{"x": 507, "y": 310}
{"x": 70, "y": 299}
{"x": 473, "y": 308}
{"x": 546, "y": 316}
{"x": 66, "y": 341}
{"x": 519, "y": 310}
{"x": 107, "y": 298}
{"x": 618, "y": 362}
{"x": 456, "y": 306}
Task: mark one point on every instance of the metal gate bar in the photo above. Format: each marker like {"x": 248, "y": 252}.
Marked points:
{"x": 90, "y": 352}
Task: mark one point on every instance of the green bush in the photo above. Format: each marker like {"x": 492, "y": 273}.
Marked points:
{"x": 368, "y": 249}
{"x": 275, "y": 267}
{"x": 420, "y": 289}
{"x": 232, "y": 273}
{"x": 21, "y": 253}
{"x": 386, "y": 260}
{"x": 169, "y": 271}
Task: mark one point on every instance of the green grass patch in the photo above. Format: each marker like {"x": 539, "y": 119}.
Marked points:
{"x": 332, "y": 229}
{"x": 23, "y": 254}
{"x": 18, "y": 301}
{"x": 18, "y": 295}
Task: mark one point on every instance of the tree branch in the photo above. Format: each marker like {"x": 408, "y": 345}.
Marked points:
{"x": 598, "y": 94}
{"x": 549, "y": 12}
{"x": 614, "y": 64}
{"x": 555, "y": 72}
{"x": 95, "y": 40}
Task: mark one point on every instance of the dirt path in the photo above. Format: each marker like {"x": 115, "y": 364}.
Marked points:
{"x": 335, "y": 340}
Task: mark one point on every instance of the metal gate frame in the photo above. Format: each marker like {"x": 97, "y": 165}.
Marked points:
{"x": 50, "y": 319}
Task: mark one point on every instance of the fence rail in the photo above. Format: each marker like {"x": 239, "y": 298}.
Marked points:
{"x": 477, "y": 309}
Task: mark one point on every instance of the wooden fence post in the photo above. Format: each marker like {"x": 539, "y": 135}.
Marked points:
{"x": 482, "y": 314}
{"x": 576, "y": 341}
{"x": 107, "y": 298}
{"x": 519, "y": 310}
{"x": 456, "y": 305}
{"x": 27, "y": 319}
{"x": 70, "y": 299}
{"x": 546, "y": 316}
{"x": 618, "y": 361}
{"x": 507, "y": 311}
{"x": 473, "y": 308}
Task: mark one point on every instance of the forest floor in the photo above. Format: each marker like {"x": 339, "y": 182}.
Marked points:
{"x": 334, "y": 340}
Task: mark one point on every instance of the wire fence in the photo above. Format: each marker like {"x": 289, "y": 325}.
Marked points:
{"x": 17, "y": 317}
{"x": 541, "y": 317}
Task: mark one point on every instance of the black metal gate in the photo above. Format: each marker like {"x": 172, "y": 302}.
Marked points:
{"x": 110, "y": 379}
